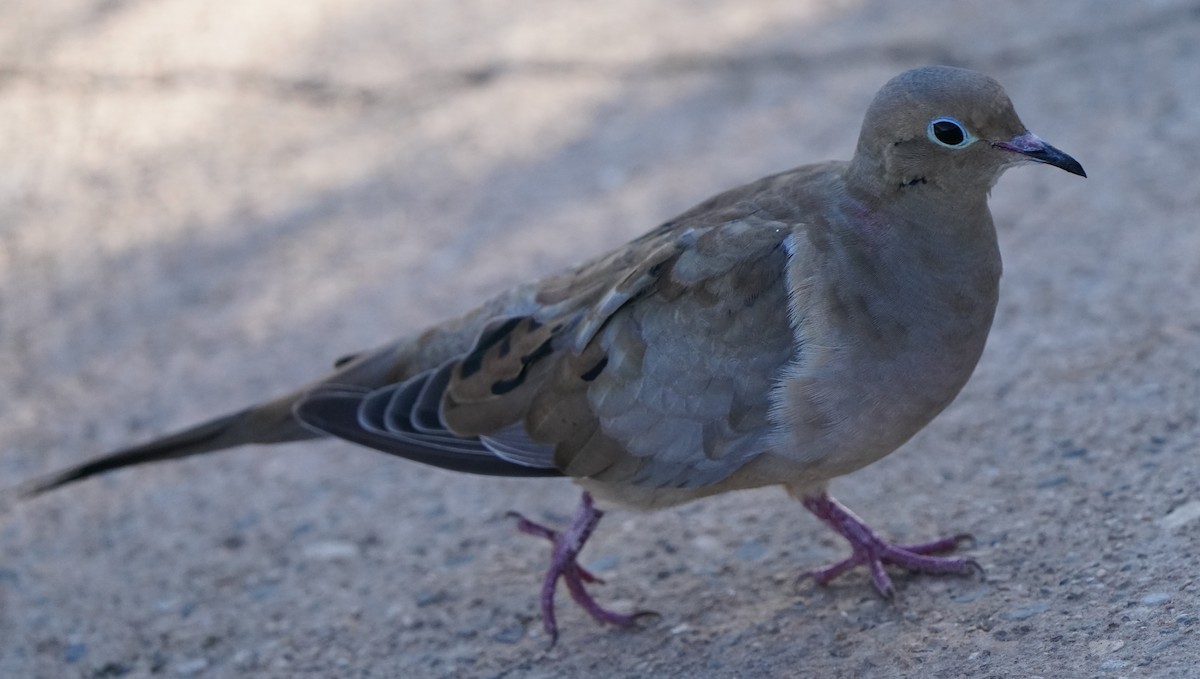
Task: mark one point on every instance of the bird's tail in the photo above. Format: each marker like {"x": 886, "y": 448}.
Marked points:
{"x": 267, "y": 423}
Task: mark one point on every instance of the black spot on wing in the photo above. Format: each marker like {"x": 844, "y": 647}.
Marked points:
{"x": 502, "y": 387}
{"x": 543, "y": 350}
{"x": 595, "y": 370}
{"x": 474, "y": 360}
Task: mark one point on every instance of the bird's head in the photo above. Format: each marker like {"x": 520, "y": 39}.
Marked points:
{"x": 947, "y": 128}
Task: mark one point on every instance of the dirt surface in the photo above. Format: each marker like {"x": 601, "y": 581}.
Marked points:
{"x": 203, "y": 204}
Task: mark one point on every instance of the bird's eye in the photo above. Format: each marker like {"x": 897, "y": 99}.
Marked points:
{"x": 949, "y": 132}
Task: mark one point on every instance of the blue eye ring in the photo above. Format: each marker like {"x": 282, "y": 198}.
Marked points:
{"x": 949, "y": 132}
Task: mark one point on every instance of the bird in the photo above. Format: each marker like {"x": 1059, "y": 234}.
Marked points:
{"x": 782, "y": 333}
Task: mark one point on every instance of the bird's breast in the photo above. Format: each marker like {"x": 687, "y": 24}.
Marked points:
{"x": 886, "y": 337}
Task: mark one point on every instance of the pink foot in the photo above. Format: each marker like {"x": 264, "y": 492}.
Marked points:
{"x": 563, "y": 564}
{"x": 873, "y": 551}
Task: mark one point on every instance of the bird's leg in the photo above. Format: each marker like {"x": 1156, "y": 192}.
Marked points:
{"x": 873, "y": 551}
{"x": 564, "y": 565}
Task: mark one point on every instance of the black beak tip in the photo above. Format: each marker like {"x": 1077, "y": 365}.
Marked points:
{"x": 1039, "y": 151}
{"x": 1071, "y": 165}
{"x": 1051, "y": 156}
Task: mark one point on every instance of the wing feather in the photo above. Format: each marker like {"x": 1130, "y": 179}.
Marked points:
{"x": 652, "y": 365}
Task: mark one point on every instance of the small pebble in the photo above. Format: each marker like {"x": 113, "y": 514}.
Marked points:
{"x": 1104, "y": 646}
{"x": 970, "y": 595}
{"x": 262, "y": 592}
{"x": 429, "y": 598}
{"x": 1156, "y": 598}
{"x": 74, "y": 652}
{"x": 509, "y": 635}
{"x": 1181, "y": 515}
{"x": 243, "y": 659}
{"x": 1026, "y": 612}
{"x": 191, "y": 667}
{"x": 601, "y": 564}
{"x": 246, "y": 521}
{"x": 750, "y": 551}
{"x": 330, "y": 550}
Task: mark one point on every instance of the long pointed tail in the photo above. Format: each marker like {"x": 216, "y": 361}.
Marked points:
{"x": 274, "y": 421}
{"x": 268, "y": 423}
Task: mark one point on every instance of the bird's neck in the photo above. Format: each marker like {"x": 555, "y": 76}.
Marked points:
{"x": 949, "y": 199}
{"x": 926, "y": 211}
{"x": 924, "y": 242}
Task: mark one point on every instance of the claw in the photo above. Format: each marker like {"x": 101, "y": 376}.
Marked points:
{"x": 564, "y": 566}
{"x": 874, "y": 552}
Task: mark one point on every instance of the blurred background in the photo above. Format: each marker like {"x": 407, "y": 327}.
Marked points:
{"x": 203, "y": 204}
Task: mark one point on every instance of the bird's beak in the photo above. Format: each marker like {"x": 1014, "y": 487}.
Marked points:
{"x": 1032, "y": 147}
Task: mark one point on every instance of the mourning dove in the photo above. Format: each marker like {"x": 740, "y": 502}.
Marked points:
{"x": 785, "y": 332}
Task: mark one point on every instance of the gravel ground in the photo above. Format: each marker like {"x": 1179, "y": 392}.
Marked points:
{"x": 203, "y": 204}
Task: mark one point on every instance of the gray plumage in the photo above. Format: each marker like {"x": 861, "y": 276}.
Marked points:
{"x": 782, "y": 333}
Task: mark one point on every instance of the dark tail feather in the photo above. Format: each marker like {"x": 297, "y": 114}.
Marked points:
{"x": 268, "y": 423}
